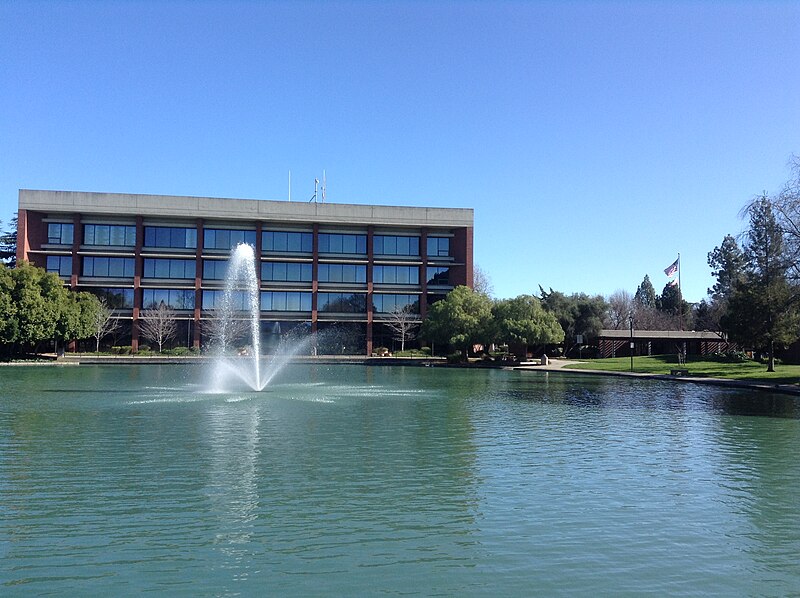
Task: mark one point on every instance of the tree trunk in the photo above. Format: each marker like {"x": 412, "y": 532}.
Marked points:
{"x": 771, "y": 361}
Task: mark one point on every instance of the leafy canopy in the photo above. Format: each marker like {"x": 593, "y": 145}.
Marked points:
{"x": 524, "y": 320}
{"x": 462, "y": 319}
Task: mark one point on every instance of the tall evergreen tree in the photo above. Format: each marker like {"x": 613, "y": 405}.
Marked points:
{"x": 645, "y": 294}
{"x": 8, "y": 244}
{"x": 727, "y": 265}
{"x": 671, "y": 300}
{"x": 762, "y": 307}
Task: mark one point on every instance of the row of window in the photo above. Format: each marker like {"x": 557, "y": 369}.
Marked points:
{"x": 224, "y": 239}
{"x": 182, "y": 269}
{"x": 184, "y": 299}
{"x": 270, "y": 301}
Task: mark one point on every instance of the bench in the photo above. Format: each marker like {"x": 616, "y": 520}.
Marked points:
{"x": 679, "y": 372}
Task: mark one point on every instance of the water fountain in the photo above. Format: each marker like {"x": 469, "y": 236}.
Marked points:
{"x": 242, "y": 290}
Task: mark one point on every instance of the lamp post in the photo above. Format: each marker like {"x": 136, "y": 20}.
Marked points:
{"x": 632, "y": 345}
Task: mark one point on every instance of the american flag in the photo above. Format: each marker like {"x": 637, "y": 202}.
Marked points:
{"x": 672, "y": 269}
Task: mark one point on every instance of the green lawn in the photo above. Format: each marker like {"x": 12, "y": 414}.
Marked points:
{"x": 706, "y": 367}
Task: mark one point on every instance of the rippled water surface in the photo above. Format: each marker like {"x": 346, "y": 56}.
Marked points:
{"x": 342, "y": 480}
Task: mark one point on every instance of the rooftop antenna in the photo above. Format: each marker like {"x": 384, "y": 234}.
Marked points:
{"x": 314, "y": 197}
{"x": 324, "y": 186}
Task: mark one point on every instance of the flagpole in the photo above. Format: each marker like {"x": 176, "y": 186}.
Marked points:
{"x": 680, "y": 289}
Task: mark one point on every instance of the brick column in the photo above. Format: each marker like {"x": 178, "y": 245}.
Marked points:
{"x": 77, "y": 237}
{"x": 23, "y": 243}
{"x": 370, "y": 262}
{"x": 198, "y": 283}
{"x": 314, "y": 282}
{"x": 72, "y": 345}
{"x": 138, "y": 262}
{"x": 461, "y": 250}
{"x": 257, "y": 249}
{"x": 423, "y": 272}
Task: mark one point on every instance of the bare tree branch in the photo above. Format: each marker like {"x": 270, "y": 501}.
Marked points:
{"x": 481, "y": 281}
{"x": 620, "y": 307}
{"x": 159, "y": 325}
{"x": 104, "y": 322}
{"x": 223, "y": 332}
{"x": 404, "y": 324}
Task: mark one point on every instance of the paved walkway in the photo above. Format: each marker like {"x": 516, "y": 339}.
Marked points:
{"x": 559, "y": 364}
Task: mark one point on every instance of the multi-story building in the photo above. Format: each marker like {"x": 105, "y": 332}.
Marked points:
{"x": 321, "y": 265}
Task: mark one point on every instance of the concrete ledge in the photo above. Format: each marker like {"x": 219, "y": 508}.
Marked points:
{"x": 204, "y": 359}
{"x": 742, "y": 384}
{"x": 183, "y": 207}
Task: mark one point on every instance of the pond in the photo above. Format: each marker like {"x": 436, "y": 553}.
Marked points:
{"x": 344, "y": 480}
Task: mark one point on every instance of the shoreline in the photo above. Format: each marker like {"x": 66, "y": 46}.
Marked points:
{"x": 560, "y": 366}
{"x": 555, "y": 365}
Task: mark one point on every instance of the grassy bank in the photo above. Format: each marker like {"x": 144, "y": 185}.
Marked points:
{"x": 702, "y": 367}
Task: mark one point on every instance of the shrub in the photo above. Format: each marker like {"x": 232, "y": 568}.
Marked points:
{"x": 178, "y": 351}
{"x": 733, "y": 356}
{"x": 765, "y": 359}
{"x": 456, "y": 357}
{"x": 121, "y": 350}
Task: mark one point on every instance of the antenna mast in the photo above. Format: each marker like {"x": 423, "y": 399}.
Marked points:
{"x": 314, "y": 197}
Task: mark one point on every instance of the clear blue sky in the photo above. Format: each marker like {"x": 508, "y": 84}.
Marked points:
{"x": 595, "y": 140}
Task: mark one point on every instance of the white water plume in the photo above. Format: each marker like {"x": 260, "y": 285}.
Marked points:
{"x": 240, "y": 304}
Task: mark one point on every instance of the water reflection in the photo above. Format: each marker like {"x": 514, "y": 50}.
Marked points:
{"x": 233, "y": 443}
{"x": 384, "y": 480}
{"x": 761, "y": 472}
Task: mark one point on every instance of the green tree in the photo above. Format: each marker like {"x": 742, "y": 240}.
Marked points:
{"x": 35, "y": 294}
{"x": 645, "y": 293}
{"x": 78, "y": 312}
{"x": 762, "y": 307}
{"x": 8, "y": 244}
{"x": 463, "y": 318}
{"x": 727, "y": 266}
{"x": 9, "y": 326}
{"x": 577, "y": 314}
{"x": 524, "y": 320}
{"x": 671, "y": 303}
{"x": 36, "y": 307}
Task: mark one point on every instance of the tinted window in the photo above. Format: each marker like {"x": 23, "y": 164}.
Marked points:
{"x": 283, "y": 242}
{"x": 285, "y": 301}
{"x": 60, "y": 264}
{"x": 342, "y": 243}
{"x": 109, "y": 234}
{"x": 60, "y": 234}
{"x": 164, "y": 236}
{"x": 395, "y": 245}
{"x": 342, "y": 302}
{"x": 349, "y": 273}
{"x": 119, "y": 267}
